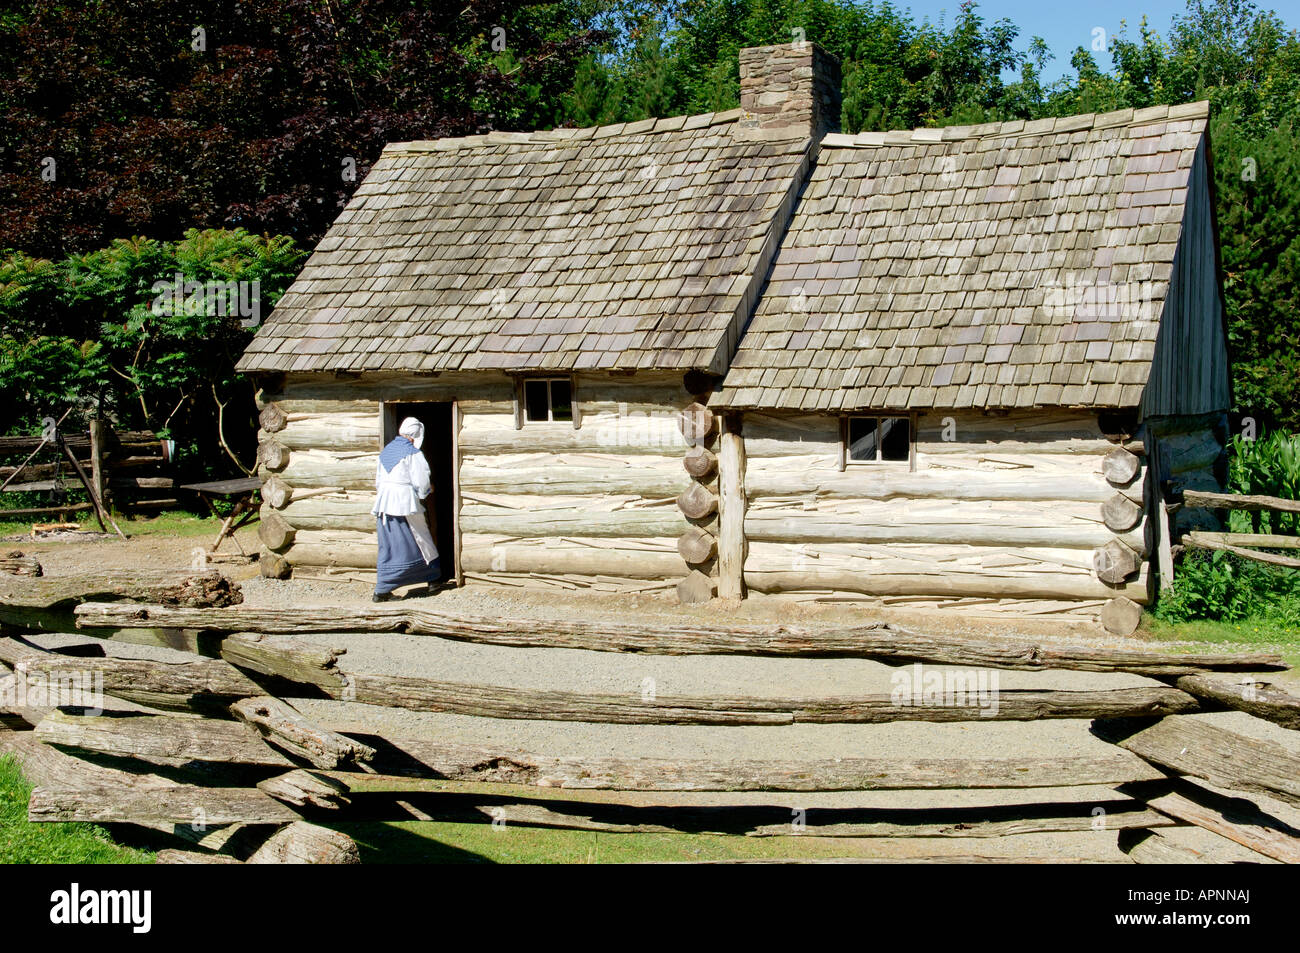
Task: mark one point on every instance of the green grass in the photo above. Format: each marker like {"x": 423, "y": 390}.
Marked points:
{"x": 416, "y": 842}
{"x": 1255, "y": 634}
{"x": 166, "y": 523}
{"x": 22, "y": 842}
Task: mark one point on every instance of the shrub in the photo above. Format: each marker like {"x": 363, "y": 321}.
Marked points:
{"x": 1269, "y": 466}
{"x": 92, "y": 333}
{"x": 1227, "y": 588}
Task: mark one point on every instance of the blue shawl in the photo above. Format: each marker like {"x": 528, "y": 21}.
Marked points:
{"x": 398, "y": 449}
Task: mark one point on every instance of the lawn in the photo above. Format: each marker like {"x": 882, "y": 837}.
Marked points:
{"x": 166, "y": 523}
{"x": 1256, "y": 635}
{"x": 22, "y": 842}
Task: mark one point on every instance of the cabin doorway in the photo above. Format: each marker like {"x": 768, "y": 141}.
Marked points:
{"x": 439, "y": 450}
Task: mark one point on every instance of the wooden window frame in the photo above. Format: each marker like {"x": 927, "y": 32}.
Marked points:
{"x": 521, "y": 408}
{"x": 878, "y": 415}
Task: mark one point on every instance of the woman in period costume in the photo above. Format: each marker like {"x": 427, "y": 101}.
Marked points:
{"x": 407, "y": 555}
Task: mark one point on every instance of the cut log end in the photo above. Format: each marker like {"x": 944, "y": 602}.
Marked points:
{"x": 273, "y": 455}
{"x": 700, "y": 462}
{"x": 695, "y": 588}
{"x": 273, "y": 565}
{"x": 274, "y": 530}
{"x": 1121, "y": 616}
{"x": 1114, "y": 562}
{"x": 697, "y": 545}
{"x": 697, "y": 502}
{"x": 1119, "y": 466}
{"x": 276, "y": 493}
{"x": 698, "y": 424}
{"x": 1120, "y": 514}
{"x": 272, "y": 419}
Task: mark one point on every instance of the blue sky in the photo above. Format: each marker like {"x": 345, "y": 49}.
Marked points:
{"x": 1066, "y": 25}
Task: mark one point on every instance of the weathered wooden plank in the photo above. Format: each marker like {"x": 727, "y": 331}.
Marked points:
{"x": 1256, "y": 698}
{"x": 46, "y": 766}
{"x": 1239, "y": 501}
{"x": 308, "y": 662}
{"x": 1195, "y": 540}
{"x": 164, "y": 586}
{"x": 1234, "y": 818}
{"x": 1254, "y": 540}
{"x": 162, "y": 739}
{"x": 1224, "y": 758}
{"x": 179, "y": 804}
{"x": 304, "y": 843}
{"x": 157, "y": 684}
{"x": 306, "y": 789}
{"x": 286, "y": 728}
{"x": 471, "y": 763}
{"x": 871, "y": 640}
{"x": 1146, "y": 846}
{"x": 173, "y": 856}
{"x": 751, "y": 820}
{"x": 286, "y": 657}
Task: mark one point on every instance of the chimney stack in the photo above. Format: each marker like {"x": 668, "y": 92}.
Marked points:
{"x": 790, "y": 90}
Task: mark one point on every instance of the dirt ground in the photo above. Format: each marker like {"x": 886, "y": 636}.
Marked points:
{"x": 701, "y": 675}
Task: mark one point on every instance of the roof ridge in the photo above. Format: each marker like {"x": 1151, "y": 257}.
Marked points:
{"x": 543, "y": 136}
{"x": 1020, "y": 127}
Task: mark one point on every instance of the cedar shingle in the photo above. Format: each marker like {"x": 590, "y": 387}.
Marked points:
{"x": 990, "y": 261}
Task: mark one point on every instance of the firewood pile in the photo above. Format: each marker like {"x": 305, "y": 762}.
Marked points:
{"x": 209, "y": 751}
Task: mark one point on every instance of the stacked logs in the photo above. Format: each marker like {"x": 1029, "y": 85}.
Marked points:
{"x": 1116, "y": 561}
{"x": 268, "y": 769}
{"x": 273, "y": 529}
{"x": 237, "y": 785}
{"x": 699, "y": 504}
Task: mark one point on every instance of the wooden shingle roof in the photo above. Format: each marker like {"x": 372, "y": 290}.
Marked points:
{"x": 1013, "y": 264}
{"x": 631, "y": 246}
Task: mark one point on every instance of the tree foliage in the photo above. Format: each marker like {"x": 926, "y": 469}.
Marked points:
{"x": 155, "y": 116}
{"x": 102, "y": 334}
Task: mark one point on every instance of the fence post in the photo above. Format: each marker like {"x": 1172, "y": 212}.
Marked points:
{"x": 96, "y": 457}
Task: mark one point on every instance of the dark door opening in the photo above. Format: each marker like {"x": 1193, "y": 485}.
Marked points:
{"x": 438, "y": 451}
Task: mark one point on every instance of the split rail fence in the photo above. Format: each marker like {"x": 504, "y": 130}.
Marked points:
{"x": 130, "y": 469}
{"x": 208, "y": 749}
{"x": 1244, "y": 545}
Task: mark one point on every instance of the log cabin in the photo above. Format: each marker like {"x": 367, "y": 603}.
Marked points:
{"x": 743, "y": 353}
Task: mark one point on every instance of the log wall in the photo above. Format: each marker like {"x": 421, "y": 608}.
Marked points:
{"x": 591, "y": 506}
{"x": 1003, "y": 511}
{"x": 1016, "y": 511}
{"x": 545, "y": 504}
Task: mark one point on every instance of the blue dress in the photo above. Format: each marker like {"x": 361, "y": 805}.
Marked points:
{"x": 400, "y": 560}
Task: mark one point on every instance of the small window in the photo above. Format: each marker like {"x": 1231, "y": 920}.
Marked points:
{"x": 879, "y": 439}
{"x": 548, "y": 398}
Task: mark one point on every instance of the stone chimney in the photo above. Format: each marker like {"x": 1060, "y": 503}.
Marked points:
{"x": 789, "y": 90}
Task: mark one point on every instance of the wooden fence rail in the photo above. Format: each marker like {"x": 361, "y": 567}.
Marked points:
{"x": 267, "y": 777}
{"x": 131, "y": 468}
